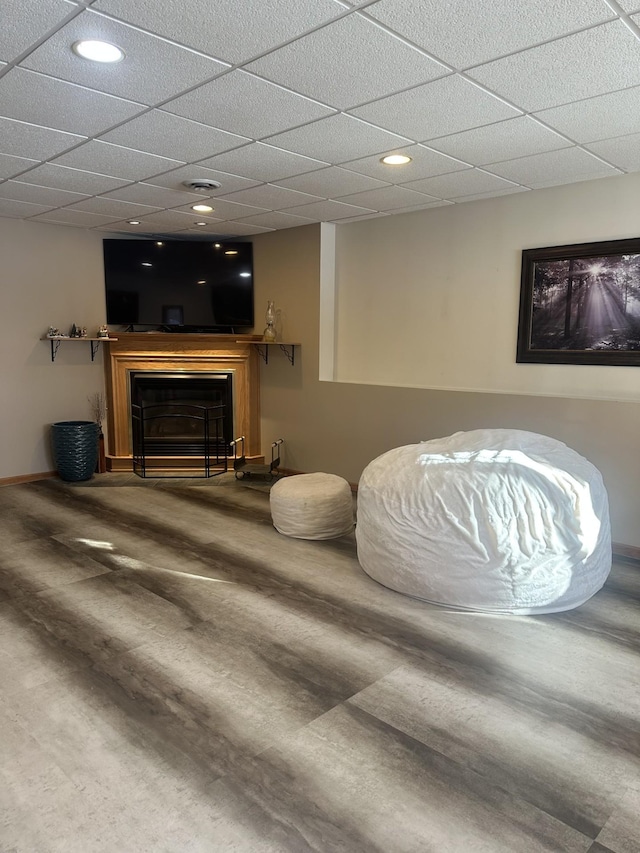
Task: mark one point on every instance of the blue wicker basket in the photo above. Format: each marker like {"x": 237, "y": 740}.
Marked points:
{"x": 75, "y": 449}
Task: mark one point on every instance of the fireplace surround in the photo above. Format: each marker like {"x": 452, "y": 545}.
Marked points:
{"x": 156, "y": 356}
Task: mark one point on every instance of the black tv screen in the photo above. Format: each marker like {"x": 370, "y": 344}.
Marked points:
{"x": 179, "y": 284}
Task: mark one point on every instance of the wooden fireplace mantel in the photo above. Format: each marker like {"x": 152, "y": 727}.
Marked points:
{"x": 166, "y": 351}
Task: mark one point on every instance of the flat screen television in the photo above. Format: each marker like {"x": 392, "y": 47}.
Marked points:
{"x": 179, "y": 285}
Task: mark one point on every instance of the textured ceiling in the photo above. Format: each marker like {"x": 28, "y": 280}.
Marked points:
{"x": 290, "y": 104}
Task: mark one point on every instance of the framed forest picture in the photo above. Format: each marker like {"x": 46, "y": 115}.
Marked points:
{"x": 580, "y": 304}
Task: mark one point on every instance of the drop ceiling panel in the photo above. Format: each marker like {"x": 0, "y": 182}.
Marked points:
{"x": 262, "y": 162}
{"x": 564, "y": 70}
{"x": 552, "y": 168}
{"x": 482, "y": 30}
{"x": 445, "y": 106}
{"x": 79, "y": 218}
{"x": 174, "y": 179}
{"x": 28, "y": 96}
{"x": 165, "y": 218}
{"x": 606, "y": 116}
{"x": 337, "y": 139}
{"x": 623, "y": 152}
{"x": 629, "y": 5}
{"x": 387, "y": 198}
{"x": 458, "y": 184}
{"x": 328, "y": 211}
{"x": 271, "y": 197}
{"x": 243, "y": 103}
{"x": 492, "y": 194}
{"x": 159, "y": 197}
{"x": 64, "y": 178}
{"x": 32, "y": 22}
{"x": 226, "y": 29}
{"x": 29, "y": 140}
{"x": 20, "y": 209}
{"x": 229, "y": 229}
{"x": 10, "y": 165}
{"x": 38, "y": 195}
{"x": 169, "y": 135}
{"x": 425, "y": 163}
{"x": 108, "y": 159}
{"x": 113, "y": 208}
{"x": 137, "y": 78}
{"x": 415, "y": 208}
{"x": 275, "y": 219}
{"x": 347, "y": 63}
{"x": 332, "y": 182}
{"x": 226, "y": 210}
{"x": 515, "y": 137}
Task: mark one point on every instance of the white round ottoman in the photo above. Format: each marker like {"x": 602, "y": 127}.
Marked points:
{"x": 495, "y": 520}
{"x": 312, "y": 506}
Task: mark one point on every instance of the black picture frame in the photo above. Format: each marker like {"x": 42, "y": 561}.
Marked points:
{"x": 580, "y": 304}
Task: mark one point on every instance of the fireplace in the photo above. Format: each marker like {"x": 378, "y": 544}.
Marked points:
{"x": 178, "y": 407}
{"x": 160, "y": 369}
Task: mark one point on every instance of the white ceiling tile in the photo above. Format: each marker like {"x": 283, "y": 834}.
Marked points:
{"x": 36, "y": 98}
{"x": 629, "y": 5}
{"x": 230, "y": 229}
{"x": 425, "y": 163}
{"x": 123, "y": 227}
{"x": 20, "y": 209}
{"x": 387, "y": 198}
{"x": 458, "y": 184}
{"x": 415, "y": 208}
{"x": 114, "y": 160}
{"x": 275, "y": 219}
{"x": 348, "y": 62}
{"x": 552, "y": 168}
{"x": 76, "y": 180}
{"x": 174, "y": 179}
{"x": 271, "y": 197}
{"x": 262, "y": 162}
{"x": 28, "y": 23}
{"x": 172, "y": 136}
{"x": 328, "y": 211}
{"x": 38, "y": 195}
{"x": 332, "y": 181}
{"x": 113, "y": 208}
{"x": 445, "y": 106}
{"x": 349, "y": 219}
{"x": 68, "y": 216}
{"x": 623, "y": 152}
{"x": 480, "y": 30}
{"x": 226, "y": 29}
{"x": 337, "y": 139}
{"x": 169, "y": 218}
{"x": 564, "y": 70}
{"x": 160, "y": 197}
{"x": 493, "y": 194}
{"x": 10, "y": 165}
{"x": 136, "y": 76}
{"x": 30, "y": 140}
{"x": 603, "y": 117}
{"x": 223, "y": 209}
{"x": 243, "y": 103}
{"x": 515, "y": 137}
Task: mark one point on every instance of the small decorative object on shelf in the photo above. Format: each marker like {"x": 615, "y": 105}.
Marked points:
{"x": 269, "y": 334}
{"x": 54, "y": 333}
{"x": 103, "y": 332}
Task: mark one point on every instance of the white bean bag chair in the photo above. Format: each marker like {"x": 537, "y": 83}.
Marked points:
{"x": 495, "y": 520}
{"x": 312, "y": 506}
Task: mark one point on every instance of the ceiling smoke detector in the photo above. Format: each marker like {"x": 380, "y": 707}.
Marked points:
{"x": 202, "y": 185}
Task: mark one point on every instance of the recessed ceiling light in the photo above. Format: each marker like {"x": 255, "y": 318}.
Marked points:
{"x": 245, "y": 275}
{"x": 202, "y": 281}
{"x": 199, "y": 223}
{"x": 146, "y": 264}
{"x": 98, "y": 51}
{"x": 159, "y": 243}
{"x": 217, "y": 245}
{"x": 202, "y": 208}
{"x": 231, "y": 252}
{"x": 395, "y": 160}
{"x": 133, "y": 222}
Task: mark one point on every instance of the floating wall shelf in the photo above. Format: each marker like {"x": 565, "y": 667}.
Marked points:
{"x": 287, "y": 348}
{"x": 58, "y": 339}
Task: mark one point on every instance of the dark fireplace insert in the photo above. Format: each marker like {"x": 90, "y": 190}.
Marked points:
{"x": 181, "y": 415}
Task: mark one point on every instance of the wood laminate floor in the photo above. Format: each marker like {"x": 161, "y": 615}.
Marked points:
{"x": 176, "y": 676}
